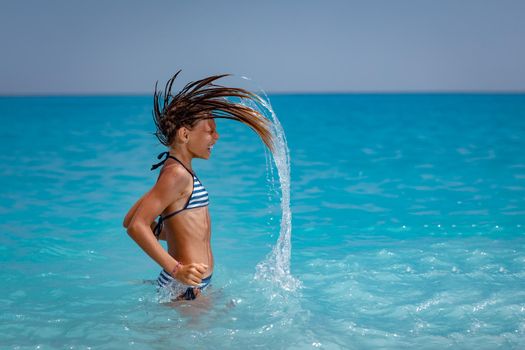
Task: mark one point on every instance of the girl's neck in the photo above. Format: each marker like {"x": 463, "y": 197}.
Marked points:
{"x": 182, "y": 155}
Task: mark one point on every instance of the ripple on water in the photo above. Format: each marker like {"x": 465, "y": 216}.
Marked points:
{"x": 429, "y": 257}
{"x": 437, "y": 290}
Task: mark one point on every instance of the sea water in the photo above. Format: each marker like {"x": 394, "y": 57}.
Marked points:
{"x": 408, "y": 226}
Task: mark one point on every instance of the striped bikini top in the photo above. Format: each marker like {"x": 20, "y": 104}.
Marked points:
{"x": 198, "y": 197}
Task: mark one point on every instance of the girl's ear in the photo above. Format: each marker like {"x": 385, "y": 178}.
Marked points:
{"x": 183, "y": 134}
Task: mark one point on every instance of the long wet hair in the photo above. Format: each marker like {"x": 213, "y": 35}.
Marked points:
{"x": 204, "y": 100}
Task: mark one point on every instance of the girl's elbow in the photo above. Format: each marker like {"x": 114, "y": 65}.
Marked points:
{"x": 127, "y": 220}
{"x": 131, "y": 229}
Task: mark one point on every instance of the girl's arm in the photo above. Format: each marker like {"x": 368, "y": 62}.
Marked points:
{"x": 167, "y": 190}
{"x": 131, "y": 213}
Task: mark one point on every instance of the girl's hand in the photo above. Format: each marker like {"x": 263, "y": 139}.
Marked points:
{"x": 190, "y": 274}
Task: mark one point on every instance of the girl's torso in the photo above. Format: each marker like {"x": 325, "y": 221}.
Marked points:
{"x": 187, "y": 223}
{"x": 188, "y": 235}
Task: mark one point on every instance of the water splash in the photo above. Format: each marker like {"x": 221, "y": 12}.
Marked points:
{"x": 276, "y": 266}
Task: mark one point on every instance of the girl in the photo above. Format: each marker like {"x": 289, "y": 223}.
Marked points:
{"x": 185, "y": 124}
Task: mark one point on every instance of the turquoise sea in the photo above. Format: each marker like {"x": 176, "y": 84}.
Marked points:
{"x": 408, "y": 226}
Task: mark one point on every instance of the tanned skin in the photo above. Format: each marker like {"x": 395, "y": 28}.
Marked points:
{"x": 187, "y": 233}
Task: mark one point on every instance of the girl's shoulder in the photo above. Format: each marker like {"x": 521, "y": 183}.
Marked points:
{"x": 174, "y": 174}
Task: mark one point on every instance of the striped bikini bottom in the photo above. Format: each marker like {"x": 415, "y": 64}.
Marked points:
{"x": 178, "y": 290}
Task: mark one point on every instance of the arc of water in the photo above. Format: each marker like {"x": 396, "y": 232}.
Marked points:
{"x": 276, "y": 266}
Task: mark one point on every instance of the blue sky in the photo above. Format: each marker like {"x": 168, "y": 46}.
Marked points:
{"x": 98, "y": 47}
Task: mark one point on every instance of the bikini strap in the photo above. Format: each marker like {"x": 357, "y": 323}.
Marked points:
{"x": 184, "y": 166}
{"x": 167, "y": 155}
{"x": 160, "y": 224}
{"x": 158, "y": 228}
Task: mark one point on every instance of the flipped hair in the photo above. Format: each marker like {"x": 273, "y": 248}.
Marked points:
{"x": 203, "y": 99}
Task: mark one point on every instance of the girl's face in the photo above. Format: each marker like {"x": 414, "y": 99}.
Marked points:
{"x": 202, "y": 137}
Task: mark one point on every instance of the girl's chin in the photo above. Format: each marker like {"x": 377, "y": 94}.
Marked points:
{"x": 203, "y": 155}
{"x": 206, "y": 154}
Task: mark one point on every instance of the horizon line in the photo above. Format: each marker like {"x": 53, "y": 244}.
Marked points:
{"x": 349, "y": 92}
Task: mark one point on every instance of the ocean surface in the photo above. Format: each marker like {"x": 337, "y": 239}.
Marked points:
{"x": 408, "y": 226}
